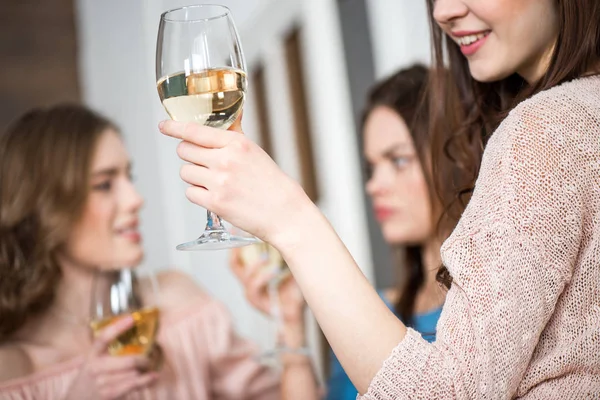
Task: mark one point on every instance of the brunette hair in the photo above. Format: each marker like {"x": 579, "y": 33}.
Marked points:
{"x": 464, "y": 113}
{"x": 405, "y": 92}
{"x": 45, "y": 160}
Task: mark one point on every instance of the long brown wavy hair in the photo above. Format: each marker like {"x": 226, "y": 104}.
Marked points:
{"x": 45, "y": 158}
{"x": 405, "y": 92}
{"x": 464, "y": 113}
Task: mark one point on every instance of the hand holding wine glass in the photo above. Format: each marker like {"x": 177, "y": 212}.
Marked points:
{"x": 256, "y": 271}
{"x": 105, "y": 377}
{"x": 125, "y": 293}
{"x": 271, "y": 288}
{"x": 234, "y": 177}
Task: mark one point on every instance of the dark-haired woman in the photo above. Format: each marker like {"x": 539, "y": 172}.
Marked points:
{"x": 522, "y": 312}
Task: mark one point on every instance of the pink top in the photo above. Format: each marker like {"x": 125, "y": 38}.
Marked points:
{"x": 522, "y": 318}
{"x": 204, "y": 359}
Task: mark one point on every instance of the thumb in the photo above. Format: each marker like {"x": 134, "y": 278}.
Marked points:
{"x": 237, "y": 124}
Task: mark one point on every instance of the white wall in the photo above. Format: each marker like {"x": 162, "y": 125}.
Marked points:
{"x": 399, "y": 34}
{"x": 117, "y": 45}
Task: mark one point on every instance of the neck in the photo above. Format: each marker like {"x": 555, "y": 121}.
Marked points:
{"x": 594, "y": 69}
{"x": 64, "y": 326}
{"x": 73, "y": 291}
{"x": 432, "y": 260}
{"x": 536, "y": 70}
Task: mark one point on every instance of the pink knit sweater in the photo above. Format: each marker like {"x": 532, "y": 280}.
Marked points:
{"x": 522, "y": 318}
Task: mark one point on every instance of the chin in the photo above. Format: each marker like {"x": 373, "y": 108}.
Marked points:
{"x": 405, "y": 236}
{"x": 398, "y": 238}
{"x": 132, "y": 258}
{"x": 137, "y": 259}
{"x": 486, "y": 71}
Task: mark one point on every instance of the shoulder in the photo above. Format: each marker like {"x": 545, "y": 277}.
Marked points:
{"x": 390, "y": 295}
{"x": 178, "y": 290}
{"x": 16, "y": 363}
{"x": 564, "y": 113}
{"x": 580, "y": 93}
{"x": 554, "y": 131}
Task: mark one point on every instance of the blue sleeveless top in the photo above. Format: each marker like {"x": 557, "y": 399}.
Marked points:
{"x": 339, "y": 386}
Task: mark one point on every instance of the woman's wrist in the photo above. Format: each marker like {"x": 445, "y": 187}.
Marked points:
{"x": 297, "y": 226}
{"x": 298, "y": 358}
{"x": 293, "y": 334}
{"x": 294, "y": 341}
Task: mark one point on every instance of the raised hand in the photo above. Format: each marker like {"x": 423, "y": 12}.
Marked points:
{"x": 255, "y": 279}
{"x": 236, "y": 179}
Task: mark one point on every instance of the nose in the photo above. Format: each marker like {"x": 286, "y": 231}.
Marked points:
{"x": 447, "y": 11}
{"x": 132, "y": 199}
{"x": 380, "y": 182}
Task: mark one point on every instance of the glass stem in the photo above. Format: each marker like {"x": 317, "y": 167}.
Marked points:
{"x": 273, "y": 289}
{"x": 214, "y": 222}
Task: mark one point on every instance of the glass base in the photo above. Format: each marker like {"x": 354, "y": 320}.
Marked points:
{"x": 217, "y": 240}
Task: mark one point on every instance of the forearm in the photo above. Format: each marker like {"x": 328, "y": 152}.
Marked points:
{"x": 358, "y": 325}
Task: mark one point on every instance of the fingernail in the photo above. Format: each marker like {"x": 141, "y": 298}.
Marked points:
{"x": 161, "y": 124}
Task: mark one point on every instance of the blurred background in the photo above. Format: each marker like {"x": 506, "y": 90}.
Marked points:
{"x": 310, "y": 64}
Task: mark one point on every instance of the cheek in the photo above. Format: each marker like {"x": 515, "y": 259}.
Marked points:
{"x": 91, "y": 240}
{"x": 515, "y": 27}
{"x": 521, "y": 27}
{"x": 413, "y": 223}
{"x": 418, "y": 204}
{"x": 499, "y": 14}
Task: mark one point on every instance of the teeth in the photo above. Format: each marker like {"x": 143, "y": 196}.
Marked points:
{"x": 470, "y": 39}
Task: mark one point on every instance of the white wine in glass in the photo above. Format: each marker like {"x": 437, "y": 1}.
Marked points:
{"x": 213, "y": 97}
{"x": 201, "y": 78}
{"x": 116, "y": 294}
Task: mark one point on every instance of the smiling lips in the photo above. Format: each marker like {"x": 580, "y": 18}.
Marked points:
{"x": 130, "y": 232}
{"x": 470, "y": 41}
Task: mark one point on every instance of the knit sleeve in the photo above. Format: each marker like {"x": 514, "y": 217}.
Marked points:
{"x": 511, "y": 256}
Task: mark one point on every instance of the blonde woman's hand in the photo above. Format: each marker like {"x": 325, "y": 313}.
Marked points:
{"x": 106, "y": 377}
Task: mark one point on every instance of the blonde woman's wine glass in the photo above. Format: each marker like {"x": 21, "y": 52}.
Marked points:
{"x": 117, "y": 293}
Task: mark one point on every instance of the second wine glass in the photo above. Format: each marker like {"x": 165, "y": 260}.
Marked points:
{"x": 117, "y": 293}
{"x": 201, "y": 78}
{"x": 273, "y": 263}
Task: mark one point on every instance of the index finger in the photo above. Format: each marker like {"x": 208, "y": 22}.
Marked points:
{"x": 203, "y": 136}
{"x": 108, "y": 364}
{"x": 110, "y": 333}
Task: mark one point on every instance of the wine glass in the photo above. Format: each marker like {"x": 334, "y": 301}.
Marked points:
{"x": 116, "y": 293}
{"x": 201, "y": 77}
{"x": 273, "y": 263}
